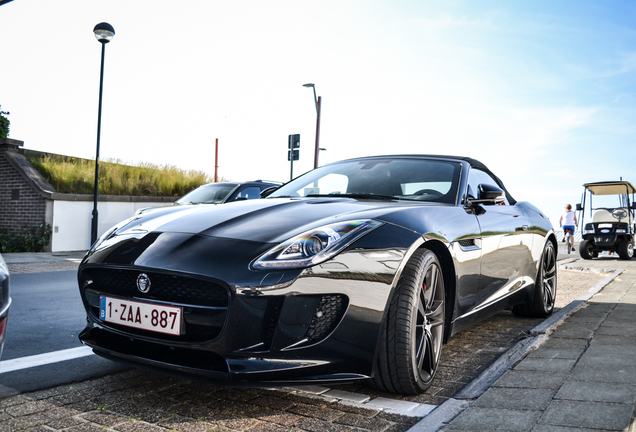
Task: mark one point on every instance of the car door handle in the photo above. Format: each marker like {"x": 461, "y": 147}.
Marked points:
{"x": 522, "y": 228}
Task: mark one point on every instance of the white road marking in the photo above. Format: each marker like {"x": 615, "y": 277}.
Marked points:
{"x": 44, "y": 359}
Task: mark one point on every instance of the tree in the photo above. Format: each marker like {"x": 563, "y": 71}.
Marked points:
{"x": 4, "y": 123}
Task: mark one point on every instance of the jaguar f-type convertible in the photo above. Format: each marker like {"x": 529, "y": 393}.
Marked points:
{"x": 357, "y": 270}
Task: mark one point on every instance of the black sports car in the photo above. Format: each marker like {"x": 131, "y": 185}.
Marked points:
{"x": 359, "y": 269}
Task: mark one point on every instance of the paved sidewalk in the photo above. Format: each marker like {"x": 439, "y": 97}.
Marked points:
{"x": 581, "y": 378}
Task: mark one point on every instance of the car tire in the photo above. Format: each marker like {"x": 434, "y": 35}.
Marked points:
{"x": 545, "y": 286}
{"x": 413, "y": 330}
{"x": 586, "y": 250}
{"x": 626, "y": 249}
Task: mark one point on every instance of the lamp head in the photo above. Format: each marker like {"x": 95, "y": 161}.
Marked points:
{"x": 308, "y": 85}
{"x": 104, "y": 32}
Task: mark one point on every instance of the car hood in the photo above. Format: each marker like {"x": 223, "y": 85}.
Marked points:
{"x": 267, "y": 220}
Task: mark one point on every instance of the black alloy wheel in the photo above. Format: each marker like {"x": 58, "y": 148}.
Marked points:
{"x": 586, "y": 250}
{"x": 413, "y": 331}
{"x": 545, "y": 286}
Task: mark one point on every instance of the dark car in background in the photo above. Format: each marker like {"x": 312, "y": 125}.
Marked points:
{"x": 5, "y": 301}
{"x": 357, "y": 270}
{"x": 224, "y": 192}
{"x": 221, "y": 193}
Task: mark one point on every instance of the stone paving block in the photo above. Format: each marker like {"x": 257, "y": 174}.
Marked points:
{"x": 319, "y": 412}
{"x": 560, "y": 353}
{"x": 546, "y": 364}
{"x": 564, "y": 344}
{"x": 488, "y": 419}
{"x": 574, "y": 331}
{"x": 594, "y": 322}
{"x": 24, "y": 422}
{"x": 316, "y": 425}
{"x": 65, "y": 423}
{"x": 602, "y": 373}
{"x": 187, "y": 425}
{"x": 532, "y": 379}
{"x": 617, "y": 328}
{"x": 609, "y": 355}
{"x": 594, "y": 309}
{"x": 138, "y": 412}
{"x": 274, "y": 402}
{"x": 271, "y": 415}
{"x": 614, "y": 339}
{"x": 28, "y": 408}
{"x": 597, "y": 392}
{"x": 513, "y": 398}
{"x": 103, "y": 418}
{"x": 595, "y": 415}
{"x": 373, "y": 424}
{"x": 134, "y": 426}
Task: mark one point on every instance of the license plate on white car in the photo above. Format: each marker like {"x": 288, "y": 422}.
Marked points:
{"x": 146, "y": 316}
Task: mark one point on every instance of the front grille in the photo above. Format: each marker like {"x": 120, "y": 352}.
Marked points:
{"x": 204, "y": 302}
{"x": 164, "y": 287}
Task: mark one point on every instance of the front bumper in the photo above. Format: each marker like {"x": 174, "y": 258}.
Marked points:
{"x": 240, "y": 325}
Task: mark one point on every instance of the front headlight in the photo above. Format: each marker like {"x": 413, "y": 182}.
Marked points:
{"x": 589, "y": 229}
{"x": 314, "y": 246}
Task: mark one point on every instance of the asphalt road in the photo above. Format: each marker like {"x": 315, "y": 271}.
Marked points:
{"x": 45, "y": 318}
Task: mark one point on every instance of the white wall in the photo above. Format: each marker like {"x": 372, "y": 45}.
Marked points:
{"x": 72, "y": 221}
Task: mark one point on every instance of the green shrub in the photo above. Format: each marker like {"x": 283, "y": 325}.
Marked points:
{"x": 74, "y": 175}
{"x": 30, "y": 239}
{"x": 4, "y": 123}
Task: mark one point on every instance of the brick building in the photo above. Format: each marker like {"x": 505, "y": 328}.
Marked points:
{"x": 23, "y": 191}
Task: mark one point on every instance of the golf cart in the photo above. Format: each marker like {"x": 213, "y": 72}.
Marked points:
{"x": 611, "y": 227}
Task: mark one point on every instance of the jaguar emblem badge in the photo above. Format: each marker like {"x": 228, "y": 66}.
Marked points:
{"x": 143, "y": 283}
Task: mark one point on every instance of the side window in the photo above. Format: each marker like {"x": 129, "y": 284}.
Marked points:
{"x": 477, "y": 177}
{"x": 249, "y": 193}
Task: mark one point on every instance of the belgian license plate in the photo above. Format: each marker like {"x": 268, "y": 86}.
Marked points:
{"x": 146, "y": 316}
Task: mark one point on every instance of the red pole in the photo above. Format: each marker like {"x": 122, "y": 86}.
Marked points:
{"x": 216, "y": 161}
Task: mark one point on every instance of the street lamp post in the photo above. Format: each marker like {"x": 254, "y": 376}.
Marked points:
{"x": 318, "y": 102}
{"x": 104, "y": 33}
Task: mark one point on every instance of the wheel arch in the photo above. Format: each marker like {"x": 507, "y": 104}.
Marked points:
{"x": 448, "y": 271}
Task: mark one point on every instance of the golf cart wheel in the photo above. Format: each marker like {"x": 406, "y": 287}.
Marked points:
{"x": 586, "y": 249}
{"x": 626, "y": 249}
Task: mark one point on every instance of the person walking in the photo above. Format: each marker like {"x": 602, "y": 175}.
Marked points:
{"x": 569, "y": 222}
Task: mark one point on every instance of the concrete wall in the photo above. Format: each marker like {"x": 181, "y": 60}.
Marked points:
{"x": 71, "y": 225}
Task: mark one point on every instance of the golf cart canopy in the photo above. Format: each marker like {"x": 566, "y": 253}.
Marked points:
{"x": 610, "y": 188}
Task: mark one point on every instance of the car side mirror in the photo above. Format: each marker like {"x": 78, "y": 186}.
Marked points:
{"x": 268, "y": 191}
{"x": 633, "y": 206}
{"x": 579, "y": 207}
{"x": 488, "y": 195}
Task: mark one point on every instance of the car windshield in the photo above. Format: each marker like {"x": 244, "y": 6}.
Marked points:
{"x": 416, "y": 179}
{"x": 208, "y": 194}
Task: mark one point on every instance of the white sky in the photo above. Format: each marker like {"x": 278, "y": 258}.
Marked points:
{"x": 542, "y": 92}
